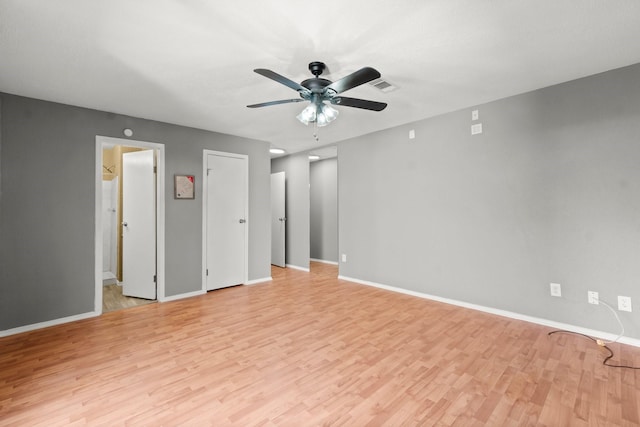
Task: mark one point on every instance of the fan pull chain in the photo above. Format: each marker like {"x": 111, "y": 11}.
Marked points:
{"x": 315, "y": 131}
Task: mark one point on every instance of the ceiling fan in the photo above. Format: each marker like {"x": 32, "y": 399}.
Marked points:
{"x": 317, "y": 90}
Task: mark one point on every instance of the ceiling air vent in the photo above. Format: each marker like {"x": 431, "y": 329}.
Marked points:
{"x": 383, "y": 85}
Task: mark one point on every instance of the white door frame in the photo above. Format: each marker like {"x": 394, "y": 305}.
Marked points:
{"x": 105, "y": 141}
{"x": 205, "y": 190}
{"x": 279, "y": 227}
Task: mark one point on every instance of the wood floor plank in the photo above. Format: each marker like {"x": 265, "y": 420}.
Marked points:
{"x": 308, "y": 349}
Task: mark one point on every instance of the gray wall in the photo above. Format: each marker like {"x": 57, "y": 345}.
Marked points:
{"x": 323, "y": 176}
{"x": 550, "y": 192}
{"x": 296, "y": 169}
{"x": 47, "y": 201}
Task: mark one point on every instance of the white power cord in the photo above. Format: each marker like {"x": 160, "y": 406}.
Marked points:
{"x": 602, "y": 343}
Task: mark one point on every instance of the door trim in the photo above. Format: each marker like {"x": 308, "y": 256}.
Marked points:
{"x": 101, "y": 142}
{"x": 205, "y": 192}
{"x": 282, "y": 178}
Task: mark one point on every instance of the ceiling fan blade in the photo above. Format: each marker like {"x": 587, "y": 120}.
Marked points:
{"x": 266, "y": 104}
{"x": 281, "y": 79}
{"x": 362, "y": 76}
{"x": 358, "y": 103}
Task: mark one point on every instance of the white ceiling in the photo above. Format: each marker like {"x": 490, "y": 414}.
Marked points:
{"x": 190, "y": 62}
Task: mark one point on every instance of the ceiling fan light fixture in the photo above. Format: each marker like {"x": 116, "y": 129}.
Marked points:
{"x": 308, "y": 115}
{"x": 326, "y": 115}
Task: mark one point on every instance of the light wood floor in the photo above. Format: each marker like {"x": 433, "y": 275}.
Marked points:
{"x": 310, "y": 350}
{"x": 112, "y": 299}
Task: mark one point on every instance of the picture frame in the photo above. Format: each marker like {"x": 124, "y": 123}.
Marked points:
{"x": 184, "y": 186}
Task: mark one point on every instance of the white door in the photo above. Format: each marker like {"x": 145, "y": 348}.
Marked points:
{"x": 107, "y": 225}
{"x": 114, "y": 227}
{"x": 278, "y": 219}
{"x": 138, "y": 225}
{"x": 226, "y": 221}
{"x": 109, "y": 228}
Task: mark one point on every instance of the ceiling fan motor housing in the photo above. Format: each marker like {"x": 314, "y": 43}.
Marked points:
{"x": 316, "y": 84}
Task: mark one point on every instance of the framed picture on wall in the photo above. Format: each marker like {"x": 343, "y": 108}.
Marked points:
{"x": 184, "y": 187}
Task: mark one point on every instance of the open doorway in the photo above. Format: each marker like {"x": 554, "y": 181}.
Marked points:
{"x": 129, "y": 265}
{"x": 308, "y": 199}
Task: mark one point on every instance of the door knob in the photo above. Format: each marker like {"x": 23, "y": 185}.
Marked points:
{"x": 242, "y": 220}
{"x": 282, "y": 219}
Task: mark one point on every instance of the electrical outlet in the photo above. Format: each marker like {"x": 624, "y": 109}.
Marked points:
{"x": 344, "y": 257}
{"x": 593, "y": 297}
{"x": 624, "y": 303}
{"x": 556, "y": 290}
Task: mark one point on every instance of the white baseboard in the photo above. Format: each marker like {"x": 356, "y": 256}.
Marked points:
{"x": 256, "y": 281}
{"x": 77, "y": 317}
{"x": 48, "y": 323}
{"x": 108, "y": 275}
{"x": 182, "y": 296}
{"x": 324, "y": 261}
{"x": 504, "y": 313}
{"x": 295, "y": 267}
